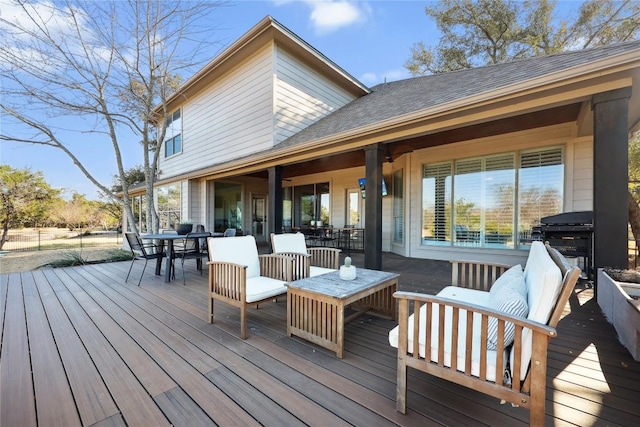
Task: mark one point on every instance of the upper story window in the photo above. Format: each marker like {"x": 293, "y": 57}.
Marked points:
{"x": 173, "y": 134}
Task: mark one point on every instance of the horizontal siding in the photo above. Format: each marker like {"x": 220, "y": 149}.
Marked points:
{"x": 231, "y": 118}
{"x": 302, "y": 96}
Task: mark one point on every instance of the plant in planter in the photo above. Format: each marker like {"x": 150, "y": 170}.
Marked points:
{"x": 620, "y": 275}
{"x": 184, "y": 226}
{"x": 347, "y": 271}
{"x": 618, "y": 295}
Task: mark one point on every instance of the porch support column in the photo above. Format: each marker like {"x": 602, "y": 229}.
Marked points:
{"x": 610, "y": 177}
{"x": 274, "y": 214}
{"x": 374, "y": 156}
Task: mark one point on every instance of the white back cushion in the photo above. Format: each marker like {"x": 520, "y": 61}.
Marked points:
{"x": 544, "y": 281}
{"x": 289, "y": 242}
{"x": 239, "y": 250}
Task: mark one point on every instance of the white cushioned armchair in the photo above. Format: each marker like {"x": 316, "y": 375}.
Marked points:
{"x": 240, "y": 277}
{"x": 309, "y": 262}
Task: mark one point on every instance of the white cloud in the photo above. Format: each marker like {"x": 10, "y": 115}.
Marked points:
{"x": 331, "y": 15}
{"x": 372, "y": 79}
{"x": 369, "y": 79}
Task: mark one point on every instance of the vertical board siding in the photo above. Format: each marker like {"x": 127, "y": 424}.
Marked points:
{"x": 303, "y": 96}
{"x": 229, "y": 119}
{"x": 583, "y": 176}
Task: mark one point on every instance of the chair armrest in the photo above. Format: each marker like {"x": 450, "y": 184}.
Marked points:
{"x": 476, "y": 275}
{"x": 277, "y": 266}
{"x": 325, "y": 257}
{"x": 228, "y": 280}
{"x": 436, "y": 307}
{"x": 301, "y": 264}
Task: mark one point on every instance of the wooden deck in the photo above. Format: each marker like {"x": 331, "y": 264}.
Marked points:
{"x": 82, "y": 347}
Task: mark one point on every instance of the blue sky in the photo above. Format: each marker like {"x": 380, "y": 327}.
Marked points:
{"x": 371, "y": 40}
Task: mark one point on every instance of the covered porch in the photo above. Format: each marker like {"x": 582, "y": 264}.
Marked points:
{"x": 82, "y": 347}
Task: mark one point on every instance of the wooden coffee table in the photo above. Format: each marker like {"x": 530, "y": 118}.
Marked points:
{"x": 316, "y": 305}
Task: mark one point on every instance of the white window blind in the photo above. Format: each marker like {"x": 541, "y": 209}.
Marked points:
{"x": 436, "y": 203}
{"x": 540, "y": 186}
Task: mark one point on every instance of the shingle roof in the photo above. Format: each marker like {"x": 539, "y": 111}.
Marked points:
{"x": 399, "y": 98}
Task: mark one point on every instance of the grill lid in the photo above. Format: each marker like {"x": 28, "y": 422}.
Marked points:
{"x": 569, "y": 218}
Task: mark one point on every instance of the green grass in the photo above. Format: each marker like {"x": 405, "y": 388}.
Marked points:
{"x": 74, "y": 258}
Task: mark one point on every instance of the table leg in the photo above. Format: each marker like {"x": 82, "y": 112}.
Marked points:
{"x": 168, "y": 269}
{"x": 159, "y": 260}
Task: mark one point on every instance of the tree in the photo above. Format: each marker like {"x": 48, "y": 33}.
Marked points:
{"x": 102, "y": 67}
{"x": 26, "y": 198}
{"x": 476, "y": 33}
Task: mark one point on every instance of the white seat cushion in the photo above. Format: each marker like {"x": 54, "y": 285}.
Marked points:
{"x": 239, "y": 250}
{"x": 462, "y": 294}
{"x": 262, "y": 287}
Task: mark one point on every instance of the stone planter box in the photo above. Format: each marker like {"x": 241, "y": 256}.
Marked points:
{"x": 621, "y": 310}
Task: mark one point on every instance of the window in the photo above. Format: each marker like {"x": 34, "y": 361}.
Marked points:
{"x": 398, "y": 207}
{"x": 227, "y": 206}
{"x": 540, "y": 186}
{"x": 139, "y": 207}
{"x": 489, "y": 201}
{"x": 168, "y": 205}
{"x": 173, "y": 135}
{"x": 305, "y": 203}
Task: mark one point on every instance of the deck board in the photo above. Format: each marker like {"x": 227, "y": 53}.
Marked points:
{"x": 55, "y": 400}
{"x": 17, "y": 405}
{"x": 111, "y": 353}
{"x": 95, "y": 328}
{"x": 93, "y": 399}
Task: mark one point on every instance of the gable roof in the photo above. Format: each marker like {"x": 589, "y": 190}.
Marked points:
{"x": 266, "y": 31}
{"x": 419, "y": 95}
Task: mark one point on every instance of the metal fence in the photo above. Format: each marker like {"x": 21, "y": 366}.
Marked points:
{"x": 24, "y": 240}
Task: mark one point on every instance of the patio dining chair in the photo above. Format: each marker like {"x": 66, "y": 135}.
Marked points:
{"x": 142, "y": 251}
{"x": 191, "y": 250}
{"x": 309, "y": 262}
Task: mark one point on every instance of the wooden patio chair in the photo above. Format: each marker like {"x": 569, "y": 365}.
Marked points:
{"x": 485, "y": 340}
{"x": 309, "y": 262}
{"x": 240, "y": 277}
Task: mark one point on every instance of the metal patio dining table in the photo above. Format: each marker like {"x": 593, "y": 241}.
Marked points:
{"x": 170, "y": 255}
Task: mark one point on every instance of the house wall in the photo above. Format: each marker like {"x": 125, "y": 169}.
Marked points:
{"x": 578, "y": 158}
{"x": 302, "y": 96}
{"x": 230, "y": 119}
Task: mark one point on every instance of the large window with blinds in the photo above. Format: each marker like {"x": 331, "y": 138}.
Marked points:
{"x": 491, "y": 201}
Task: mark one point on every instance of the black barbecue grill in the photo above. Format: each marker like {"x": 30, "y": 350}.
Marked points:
{"x": 571, "y": 233}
